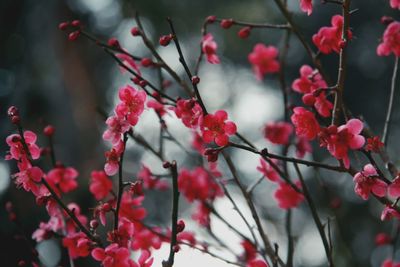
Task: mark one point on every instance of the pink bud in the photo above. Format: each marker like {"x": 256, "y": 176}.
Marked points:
{"x": 49, "y": 130}
{"x": 180, "y": 226}
{"x": 94, "y": 224}
{"x": 211, "y": 19}
{"x": 226, "y": 23}
{"x": 146, "y": 62}
{"x": 195, "y": 80}
{"x": 135, "y": 31}
{"x": 244, "y": 32}
{"x": 76, "y": 23}
{"x": 308, "y": 99}
{"x": 63, "y": 25}
{"x": 165, "y": 39}
{"x": 113, "y": 42}
{"x": 74, "y": 35}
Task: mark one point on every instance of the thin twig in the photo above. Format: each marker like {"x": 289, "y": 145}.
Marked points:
{"x": 389, "y": 112}
{"x": 315, "y": 216}
{"x": 120, "y": 182}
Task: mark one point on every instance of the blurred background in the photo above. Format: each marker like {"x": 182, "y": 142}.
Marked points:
{"x": 55, "y": 81}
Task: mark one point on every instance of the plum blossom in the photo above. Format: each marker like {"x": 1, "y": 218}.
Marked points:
{"x": 131, "y": 105}
{"x": 390, "y": 41}
{"x": 339, "y": 140}
{"x": 257, "y": 263}
{"x": 149, "y": 181}
{"x": 394, "y": 188}
{"x": 395, "y": 4}
{"x": 209, "y": 48}
{"x": 389, "y": 212}
{"x": 63, "y": 177}
{"x": 305, "y": 123}
{"x": 116, "y": 127}
{"x": 189, "y": 111}
{"x": 264, "y": 60}
{"x": 367, "y": 181}
{"x": 278, "y": 132}
{"x": 309, "y": 81}
{"x": 268, "y": 171}
{"x": 302, "y": 147}
{"x": 306, "y": 6}
{"x": 202, "y": 215}
{"x": 78, "y": 245}
{"x": 287, "y": 197}
{"x": 100, "y": 185}
{"x": 29, "y": 179}
{"x": 329, "y": 39}
{"x": 198, "y": 185}
{"x": 390, "y": 263}
{"x": 17, "y": 150}
{"x": 217, "y": 128}
{"x": 113, "y": 256}
{"x": 112, "y": 158}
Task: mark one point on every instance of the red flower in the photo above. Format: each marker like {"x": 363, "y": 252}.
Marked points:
{"x": 367, "y": 181}
{"x": 78, "y": 245}
{"x": 202, "y": 215}
{"x": 131, "y": 208}
{"x": 113, "y": 256}
{"x": 329, "y": 39}
{"x": 198, "y": 185}
{"x": 145, "y": 239}
{"x": 209, "y": 48}
{"x": 112, "y": 158}
{"x": 309, "y": 81}
{"x": 217, "y": 129}
{"x": 390, "y": 263}
{"x": 390, "y": 41}
{"x": 340, "y": 140}
{"x": 64, "y": 178}
{"x": 144, "y": 260}
{"x": 266, "y": 169}
{"x": 257, "y": 263}
{"x": 189, "y": 111}
{"x": 264, "y": 60}
{"x": 100, "y": 185}
{"x": 389, "y": 212}
{"x": 305, "y": 123}
{"x": 29, "y": 179}
{"x": 395, "y": 4}
{"x": 249, "y": 251}
{"x": 278, "y": 132}
{"x": 116, "y": 127}
{"x": 287, "y": 197}
{"x": 394, "y": 188}
{"x": 374, "y": 144}
{"x": 131, "y": 105}
{"x": 17, "y": 150}
{"x": 149, "y": 181}
{"x": 302, "y": 147}
{"x": 382, "y": 239}
{"x": 306, "y": 6}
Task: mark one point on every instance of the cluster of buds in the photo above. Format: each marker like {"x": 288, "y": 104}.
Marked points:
{"x": 76, "y": 27}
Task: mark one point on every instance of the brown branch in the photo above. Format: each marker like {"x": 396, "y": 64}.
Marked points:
{"x": 185, "y": 66}
{"x": 338, "y": 105}
{"x": 120, "y": 182}
{"x": 174, "y": 215}
{"x": 315, "y": 216}
{"x": 389, "y": 112}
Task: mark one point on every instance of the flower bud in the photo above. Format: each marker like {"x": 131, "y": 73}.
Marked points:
{"x": 49, "y": 130}
{"x": 63, "y": 25}
{"x": 135, "y": 31}
{"x": 308, "y": 99}
{"x": 195, "y": 80}
{"x": 180, "y": 226}
{"x": 76, "y": 23}
{"x": 74, "y": 35}
{"x": 165, "y": 39}
{"x": 226, "y": 23}
{"x": 211, "y": 19}
{"x": 94, "y": 224}
{"x": 146, "y": 62}
{"x": 244, "y": 32}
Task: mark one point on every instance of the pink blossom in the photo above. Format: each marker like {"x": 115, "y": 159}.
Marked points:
{"x": 64, "y": 178}
{"x": 394, "y": 188}
{"x": 198, "y": 185}
{"x": 116, "y": 127}
{"x": 112, "y": 158}
{"x": 202, "y": 215}
{"x": 278, "y": 132}
{"x": 390, "y": 263}
{"x": 113, "y": 256}
{"x": 131, "y": 105}
{"x": 29, "y": 179}
{"x": 145, "y": 239}
{"x": 389, "y": 212}
{"x": 390, "y": 41}
{"x": 78, "y": 245}
{"x": 209, "y": 48}
{"x": 367, "y": 181}
{"x": 145, "y": 260}
{"x": 382, "y": 239}
{"x": 100, "y": 185}
{"x": 323, "y": 105}
{"x": 329, "y": 39}
{"x": 374, "y": 144}
{"x": 129, "y": 62}
{"x": 198, "y": 143}
{"x": 268, "y": 171}
{"x": 131, "y": 207}
{"x": 249, "y": 251}
{"x": 309, "y": 81}
{"x": 395, "y": 4}
{"x": 217, "y": 129}
{"x": 71, "y": 226}
{"x": 287, "y": 197}
{"x": 257, "y": 263}
{"x": 17, "y": 150}
{"x": 302, "y": 147}
{"x": 306, "y": 6}
{"x": 340, "y": 140}
{"x": 149, "y": 181}
{"x": 264, "y": 60}
{"x": 189, "y": 111}
{"x": 305, "y": 123}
